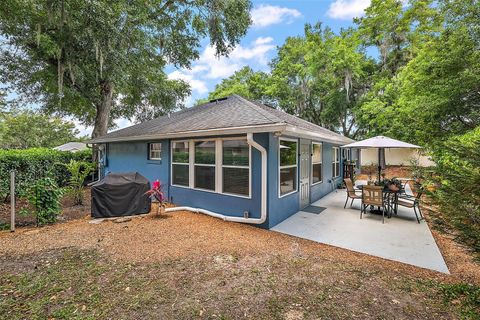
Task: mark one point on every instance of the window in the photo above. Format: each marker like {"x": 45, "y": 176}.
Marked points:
{"x": 288, "y": 166}
{"x": 347, "y": 154}
{"x": 335, "y": 162}
{"x": 154, "y": 151}
{"x": 216, "y": 165}
{"x": 236, "y": 167}
{"x": 204, "y": 167}
{"x": 316, "y": 163}
{"x": 180, "y": 163}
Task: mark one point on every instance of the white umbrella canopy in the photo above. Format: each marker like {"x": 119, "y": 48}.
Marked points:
{"x": 381, "y": 143}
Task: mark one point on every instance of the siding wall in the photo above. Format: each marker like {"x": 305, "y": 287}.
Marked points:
{"x": 132, "y": 156}
{"x": 226, "y": 204}
{"x": 328, "y": 184}
{"x": 280, "y": 209}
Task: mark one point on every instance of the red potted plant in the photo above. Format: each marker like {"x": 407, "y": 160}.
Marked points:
{"x": 156, "y": 194}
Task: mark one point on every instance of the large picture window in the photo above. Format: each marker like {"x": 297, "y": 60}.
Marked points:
{"x": 316, "y": 163}
{"x": 220, "y": 165}
{"x": 288, "y": 166}
{"x": 236, "y": 167}
{"x": 335, "y": 162}
{"x": 180, "y": 163}
{"x": 155, "y": 151}
{"x": 204, "y": 167}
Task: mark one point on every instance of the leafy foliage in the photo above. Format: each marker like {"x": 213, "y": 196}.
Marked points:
{"x": 244, "y": 82}
{"x": 78, "y": 170}
{"x": 27, "y": 129}
{"x": 33, "y": 164}
{"x": 44, "y": 196}
{"x": 319, "y": 76}
{"x": 101, "y": 60}
{"x": 458, "y": 177}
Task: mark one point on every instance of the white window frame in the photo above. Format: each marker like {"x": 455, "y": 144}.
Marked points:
{"x": 280, "y": 195}
{"x": 180, "y": 163}
{"x": 347, "y": 154}
{"x": 335, "y": 160}
{"x": 150, "y": 144}
{"x": 206, "y": 165}
{"x": 218, "y": 166}
{"x": 249, "y": 167}
{"x": 318, "y": 162}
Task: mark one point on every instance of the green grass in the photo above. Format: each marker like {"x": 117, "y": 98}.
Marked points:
{"x": 75, "y": 284}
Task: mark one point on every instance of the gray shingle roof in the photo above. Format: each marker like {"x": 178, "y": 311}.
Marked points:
{"x": 230, "y": 112}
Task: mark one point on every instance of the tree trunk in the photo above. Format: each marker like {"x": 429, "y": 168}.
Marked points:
{"x": 102, "y": 115}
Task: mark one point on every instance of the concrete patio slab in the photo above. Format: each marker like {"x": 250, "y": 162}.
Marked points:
{"x": 401, "y": 238}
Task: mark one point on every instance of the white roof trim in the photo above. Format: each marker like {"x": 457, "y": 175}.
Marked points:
{"x": 198, "y": 133}
{"x": 302, "y": 133}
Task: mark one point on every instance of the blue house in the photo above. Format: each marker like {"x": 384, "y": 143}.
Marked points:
{"x": 232, "y": 158}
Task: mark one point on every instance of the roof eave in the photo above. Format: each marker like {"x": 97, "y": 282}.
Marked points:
{"x": 308, "y": 134}
{"x": 197, "y": 133}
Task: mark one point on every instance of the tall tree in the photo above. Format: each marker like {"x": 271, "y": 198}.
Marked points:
{"x": 436, "y": 95}
{"x": 28, "y": 129}
{"x": 322, "y": 77}
{"x": 99, "y": 60}
{"x": 244, "y": 82}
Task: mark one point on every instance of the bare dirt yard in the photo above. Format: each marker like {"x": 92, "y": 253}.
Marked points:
{"x": 185, "y": 265}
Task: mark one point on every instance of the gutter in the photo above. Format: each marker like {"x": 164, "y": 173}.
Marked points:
{"x": 263, "y": 213}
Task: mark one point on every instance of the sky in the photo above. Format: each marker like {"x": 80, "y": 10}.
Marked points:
{"x": 272, "y": 22}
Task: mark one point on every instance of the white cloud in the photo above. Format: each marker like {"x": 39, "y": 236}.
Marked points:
{"x": 265, "y": 15}
{"x": 347, "y": 9}
{"x": 187, "y": 76}
{"x": 221, "y": 67}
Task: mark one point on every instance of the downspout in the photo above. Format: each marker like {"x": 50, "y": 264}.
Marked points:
{"x": 263, "y": 214}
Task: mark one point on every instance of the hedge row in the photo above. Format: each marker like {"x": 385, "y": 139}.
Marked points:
{"x": 32, "y": 164}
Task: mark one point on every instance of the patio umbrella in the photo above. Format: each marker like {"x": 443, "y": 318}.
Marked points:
{"x": 380, "y": 142}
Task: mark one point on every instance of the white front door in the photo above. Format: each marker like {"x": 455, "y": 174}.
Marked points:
{"x": 304, "y": 173}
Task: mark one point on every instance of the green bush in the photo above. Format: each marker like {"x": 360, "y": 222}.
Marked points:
{"x": 457, "y": 175}
{"x": 33, "y": 164}
{"x": 79, "y": 170}
{"x": 44, "y": 197}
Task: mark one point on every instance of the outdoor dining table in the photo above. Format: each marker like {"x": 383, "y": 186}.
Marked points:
{"x": 391, "y": 197}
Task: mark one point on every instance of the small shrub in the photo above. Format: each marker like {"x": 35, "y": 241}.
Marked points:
{"x": 44, "y": 197}
{"x": 79, "y": 170}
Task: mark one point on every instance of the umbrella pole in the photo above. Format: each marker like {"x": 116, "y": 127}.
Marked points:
{"x": 379, "y": 164}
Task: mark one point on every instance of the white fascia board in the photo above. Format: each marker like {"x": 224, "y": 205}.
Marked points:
{"x": 307, "y": 134}
{"x": 276, "y": 127}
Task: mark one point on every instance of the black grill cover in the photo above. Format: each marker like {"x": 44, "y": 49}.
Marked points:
{"x": 120, "y": 194}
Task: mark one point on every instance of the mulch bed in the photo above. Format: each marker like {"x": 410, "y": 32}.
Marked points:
{"x": 183, "y": 234}
{"x": 69, "y": 211}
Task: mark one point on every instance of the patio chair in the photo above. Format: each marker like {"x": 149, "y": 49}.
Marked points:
{"x": 351, "y": 192}
{"x": 408, "y": 201}
{"x": 373, "y": 196}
